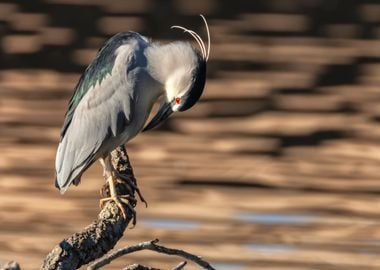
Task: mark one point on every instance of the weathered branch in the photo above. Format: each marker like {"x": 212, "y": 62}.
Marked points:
{"x": 151, "y": 245}
{"x": 102, "y": 235}
{"x": 10, "y": 266}
{"x": 180, "y": 266}
{"x": 136, "y": 266}
{"x": 139, "y": 267}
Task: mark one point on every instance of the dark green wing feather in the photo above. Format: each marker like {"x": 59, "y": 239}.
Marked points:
{"x": 100, "y": 67}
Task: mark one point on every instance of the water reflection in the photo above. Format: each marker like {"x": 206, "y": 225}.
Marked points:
{"x": 275, "y": 218}
{"x": 271, "y": 248}
{"x": 228, "y": 266}
{"x": 169, "y": 224}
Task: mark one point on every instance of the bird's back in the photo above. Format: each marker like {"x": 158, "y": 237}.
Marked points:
{"x": 101, "y": 107}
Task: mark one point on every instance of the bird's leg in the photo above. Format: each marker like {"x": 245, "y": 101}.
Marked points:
{"x": 118, "y": 199}
{"x": 121, "y": 176}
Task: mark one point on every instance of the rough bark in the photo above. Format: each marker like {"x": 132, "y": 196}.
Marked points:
{"x": 139, "y": 267}
{"x": 153, "y": 246}
{"x": 102, "y": 235}
{"x": 10, "y": 266}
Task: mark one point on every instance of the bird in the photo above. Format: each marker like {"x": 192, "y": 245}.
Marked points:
{"x": 114, "y": 97}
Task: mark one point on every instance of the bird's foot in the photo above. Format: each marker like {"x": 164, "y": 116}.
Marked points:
{"x": 134, "y": 186}
{"x": 120, "y": 200}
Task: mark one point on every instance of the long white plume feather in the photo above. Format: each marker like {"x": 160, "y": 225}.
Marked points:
{"x": 205, "y": 52}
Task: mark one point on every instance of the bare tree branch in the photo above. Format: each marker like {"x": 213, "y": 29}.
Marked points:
{"x": 150, "y": 245}
{"x": 102, "y": 235}
{"x": 139, "y": 267}
{"x": 180, "y": 266}
{"x": 136, "y": 266}
{"x": 10, "y": 266}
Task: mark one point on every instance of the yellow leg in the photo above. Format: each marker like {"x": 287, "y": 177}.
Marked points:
{"x": 120, "y": 176}
{"x": 118, "y": 199}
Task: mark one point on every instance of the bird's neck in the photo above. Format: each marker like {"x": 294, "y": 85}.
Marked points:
{"x": 167, "y": 60}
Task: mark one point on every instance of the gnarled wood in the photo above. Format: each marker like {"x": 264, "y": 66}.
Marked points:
{"x": 102, "y": 234}
{"x": 153, "y": 246}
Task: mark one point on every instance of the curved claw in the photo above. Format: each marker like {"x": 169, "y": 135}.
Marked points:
{"x": 141, "y": 197}
{"x": 119, "y": 200}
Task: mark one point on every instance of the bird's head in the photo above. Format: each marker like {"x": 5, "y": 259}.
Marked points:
{"x": 184, "y": 85}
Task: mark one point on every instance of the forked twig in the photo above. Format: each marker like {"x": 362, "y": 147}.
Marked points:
{"x": 137, "y": 266}
{"x": 150, "y": 245}
{"x": 180, "y": 266}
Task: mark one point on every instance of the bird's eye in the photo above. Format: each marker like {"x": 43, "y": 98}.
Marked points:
{"x": 177, "y": 100}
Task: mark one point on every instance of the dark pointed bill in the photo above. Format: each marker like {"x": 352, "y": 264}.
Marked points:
{"x": 163, "y": 113}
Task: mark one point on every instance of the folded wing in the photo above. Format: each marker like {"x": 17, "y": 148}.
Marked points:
{"x": 100, "y": 108}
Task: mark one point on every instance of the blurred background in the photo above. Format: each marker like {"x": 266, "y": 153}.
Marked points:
{"x": 277, "y": 167}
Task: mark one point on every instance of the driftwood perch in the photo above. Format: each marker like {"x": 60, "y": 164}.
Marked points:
{"x": 153, "y": 246}
{"x": 101, "y": 236}
{"x": 10, "y": 266}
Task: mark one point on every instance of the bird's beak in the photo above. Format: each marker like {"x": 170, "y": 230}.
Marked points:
{"x": 163, "y": 113}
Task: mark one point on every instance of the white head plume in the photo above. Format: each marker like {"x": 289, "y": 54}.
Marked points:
{"x": 205, "y": 53}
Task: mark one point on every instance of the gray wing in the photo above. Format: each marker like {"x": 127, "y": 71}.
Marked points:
{"x": 102, "y": 114}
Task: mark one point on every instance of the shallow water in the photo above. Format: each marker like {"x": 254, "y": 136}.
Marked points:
{"x": 169, "y": 224}
{"x": 275, "y": 218}
{"x": 271, "y": 248}
{"x": 228, "y": 266}
{"x": 288, "y": 126}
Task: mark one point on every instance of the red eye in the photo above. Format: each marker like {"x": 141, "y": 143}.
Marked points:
{"x": 178, "y": 100}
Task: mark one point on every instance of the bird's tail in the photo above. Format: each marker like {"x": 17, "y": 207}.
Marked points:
{"x": 62, "y": 168}
{"x": 65, "y": 173}
{"x": 68, "y": 168}
{"x": 63, "y": 189}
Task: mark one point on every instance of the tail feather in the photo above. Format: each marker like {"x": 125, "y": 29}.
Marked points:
{"x": 62, "y": 189}
{"x": 67, "y": 171}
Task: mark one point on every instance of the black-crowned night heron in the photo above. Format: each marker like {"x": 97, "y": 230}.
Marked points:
{"x": 115, "y": 95}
